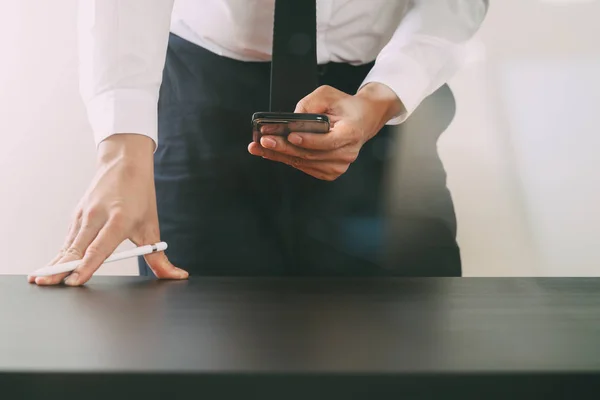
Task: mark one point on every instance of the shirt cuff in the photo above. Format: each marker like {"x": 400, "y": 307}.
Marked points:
{"x": 405, "y": 77}
{"x": 123, "y": 111}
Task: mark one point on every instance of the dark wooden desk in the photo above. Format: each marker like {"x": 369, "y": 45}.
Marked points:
{"x": 301, "y": 338}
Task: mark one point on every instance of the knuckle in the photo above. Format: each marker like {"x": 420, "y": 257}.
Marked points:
{"x": 340, "y": 170}
{"x": 119, "y": 220}
{"x": 78, "y": 214}
{"x": 350, "y": 158}
{"x": 301, "y": 105}
{"x": 73, "y": 251}
{"x": 93, "y": 251}
{"x": 309, "y": 156}
{"x": 284, "y": 147}
{"x": 297, "y": 162}
{"x": 153, "y": 231}
{"x": 86, "y": 225}
{"x": 147, "y": 235}
{"x": 324, "y": 89}
{"x": 91, "y": 213}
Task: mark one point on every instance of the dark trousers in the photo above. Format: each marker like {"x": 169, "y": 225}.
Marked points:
{"x": 225, "y": 212}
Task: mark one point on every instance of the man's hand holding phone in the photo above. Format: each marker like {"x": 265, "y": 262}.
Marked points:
{"x": 353, "y": 121}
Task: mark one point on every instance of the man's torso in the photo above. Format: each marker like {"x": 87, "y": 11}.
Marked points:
{"x": 351, "y": 31}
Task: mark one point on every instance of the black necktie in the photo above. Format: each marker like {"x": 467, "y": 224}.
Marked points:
{"x": 294, "y": 56}
{"x": 293, "y": 76}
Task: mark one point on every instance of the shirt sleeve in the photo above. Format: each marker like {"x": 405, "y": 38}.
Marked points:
{"x": 427, "y": 49}
{"x": 122, "y": 50}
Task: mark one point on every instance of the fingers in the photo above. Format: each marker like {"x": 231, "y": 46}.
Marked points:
{"x": 296, "y": 162}
{"x": 296, "y": 156}
{"x": 325, "y": 170}
{"x": 87, "y": 233}
{"x": 74, "y": 228}
{"x": 281, "y": 145}
{"x": 73, "y": 231}
{"x": 102, "y": 246}
{"x": 31, "y": 278}
{"x": 321, "y": 141}
{"x": 256, "y": 150}
{"x": 58, "y": 278}
{"x": 162, "y": 267}
{"x": 61, "y": 254}
{"x": 341, "y": 135}
{"x": 158, "y": 262}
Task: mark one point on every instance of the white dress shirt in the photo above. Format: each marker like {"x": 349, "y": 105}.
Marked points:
{"x": 418, "y": 46}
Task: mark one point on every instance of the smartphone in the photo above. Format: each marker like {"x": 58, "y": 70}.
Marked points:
{"x": 282, "y": 124}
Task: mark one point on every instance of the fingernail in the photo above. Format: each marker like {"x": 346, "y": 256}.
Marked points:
{"x": 268, "y": 142}
{"x": 72, "y": 279}
{"x": 295, "y": 139}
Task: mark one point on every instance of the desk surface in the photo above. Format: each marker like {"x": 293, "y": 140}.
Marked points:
{"x": 221, "y": 326}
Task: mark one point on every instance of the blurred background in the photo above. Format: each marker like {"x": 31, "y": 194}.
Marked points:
{"x": 520, "y": 152}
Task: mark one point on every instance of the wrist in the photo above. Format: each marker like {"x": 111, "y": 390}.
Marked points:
{"x": 383, "y": 102}
{"x": 131, "y": 149}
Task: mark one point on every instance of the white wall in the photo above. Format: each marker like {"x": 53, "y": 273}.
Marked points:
{"x": 46, "y": 151}
{"x": 519, "y": 154}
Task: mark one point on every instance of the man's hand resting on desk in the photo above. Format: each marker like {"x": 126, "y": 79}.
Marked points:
{"x": 354, "y": 121}
{"x": 120, "y": 204}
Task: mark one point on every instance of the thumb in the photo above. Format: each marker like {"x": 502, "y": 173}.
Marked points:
{"x": 162, "y": 267}
{"x": 158, "y": 262}
{"x": 317, "y": 102}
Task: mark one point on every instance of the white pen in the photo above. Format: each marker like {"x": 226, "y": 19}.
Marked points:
{"x": 71, "y": 265}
